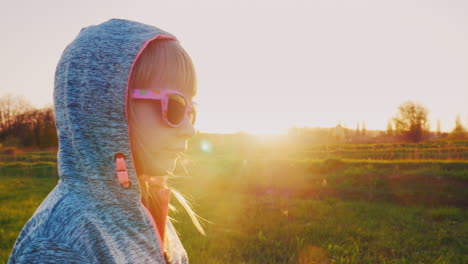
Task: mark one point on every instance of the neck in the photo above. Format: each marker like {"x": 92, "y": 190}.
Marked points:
{"x": 157, "y": 180}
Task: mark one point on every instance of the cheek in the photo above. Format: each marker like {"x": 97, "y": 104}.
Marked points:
{"x": 151, "y": 128}
{"x": 149, "y": 116}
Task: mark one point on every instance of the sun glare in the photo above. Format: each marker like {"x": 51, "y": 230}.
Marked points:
{"x": 206, "y": 145}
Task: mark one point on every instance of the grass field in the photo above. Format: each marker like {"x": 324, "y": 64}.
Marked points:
{"x": 301, "y": 210}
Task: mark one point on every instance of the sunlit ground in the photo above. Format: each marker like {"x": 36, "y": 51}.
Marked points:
{"x": 274, "y": 203}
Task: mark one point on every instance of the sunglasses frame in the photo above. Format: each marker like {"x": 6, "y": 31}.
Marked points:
{"x": 163, "y": 96}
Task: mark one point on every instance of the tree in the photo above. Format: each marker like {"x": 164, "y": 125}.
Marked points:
{"x": 22, "y": 125}
{"x": 358, "y": 129}
{"x": 459, "y": 131}
{"x": 10, "y": 108}
{"x": 411, "y": 121}
{"x": 389, "y": 128}
{"x": 439, "y": 132}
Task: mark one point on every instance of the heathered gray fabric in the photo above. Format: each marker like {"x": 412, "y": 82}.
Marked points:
{"x": 88, "y": 217}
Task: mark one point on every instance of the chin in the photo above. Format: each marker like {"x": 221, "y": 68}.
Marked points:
{"x": 168, "y": 164}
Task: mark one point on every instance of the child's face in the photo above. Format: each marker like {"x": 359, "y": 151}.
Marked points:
{"x": 159, "y": 138}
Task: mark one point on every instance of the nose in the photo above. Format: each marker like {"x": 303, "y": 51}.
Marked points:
{"x": 186, "y": 129}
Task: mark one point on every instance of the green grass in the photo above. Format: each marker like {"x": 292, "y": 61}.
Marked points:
{"x": 19, "y": 197}
{"x": 263, "y": 229}
{"x": 292, "y": 210}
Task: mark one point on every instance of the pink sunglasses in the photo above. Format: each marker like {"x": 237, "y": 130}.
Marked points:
{"x": 174, "y": 105}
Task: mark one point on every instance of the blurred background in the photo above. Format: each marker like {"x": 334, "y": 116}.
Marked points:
{"x": 329, "y": 131}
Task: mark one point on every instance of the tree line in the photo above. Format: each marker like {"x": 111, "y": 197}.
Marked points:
{"x": 22, "y": 125}
{"x": 409, "y": 124}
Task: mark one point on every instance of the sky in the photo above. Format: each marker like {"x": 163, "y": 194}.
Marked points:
{"x": 266, "y": 65}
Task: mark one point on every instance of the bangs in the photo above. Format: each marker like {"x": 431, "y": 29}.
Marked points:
{"x": 167, "y": 63}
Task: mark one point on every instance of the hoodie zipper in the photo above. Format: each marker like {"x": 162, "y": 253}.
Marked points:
{"x": 155, "y": 229}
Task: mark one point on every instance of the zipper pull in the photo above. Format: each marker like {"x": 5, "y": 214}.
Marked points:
{"x": 122, "y": 172}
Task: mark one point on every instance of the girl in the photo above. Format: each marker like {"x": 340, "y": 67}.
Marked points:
{"x": 123, "y": 108}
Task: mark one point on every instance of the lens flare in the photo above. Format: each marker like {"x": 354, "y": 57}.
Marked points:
{"x": 205, "y": 145}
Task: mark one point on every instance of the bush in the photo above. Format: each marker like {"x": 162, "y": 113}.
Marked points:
{"x": 9, "y": 151}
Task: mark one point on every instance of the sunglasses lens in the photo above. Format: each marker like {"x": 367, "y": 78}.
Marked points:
{"x": 175, "y": 109}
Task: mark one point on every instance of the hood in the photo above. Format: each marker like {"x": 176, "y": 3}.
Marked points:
{"x": 90, "y": 105}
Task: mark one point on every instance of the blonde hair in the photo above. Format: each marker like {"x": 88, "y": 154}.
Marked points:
{"x": 168, "y": 63}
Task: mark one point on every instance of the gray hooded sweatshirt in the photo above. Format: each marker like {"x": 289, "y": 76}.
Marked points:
{"x": 90, "y": 216}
